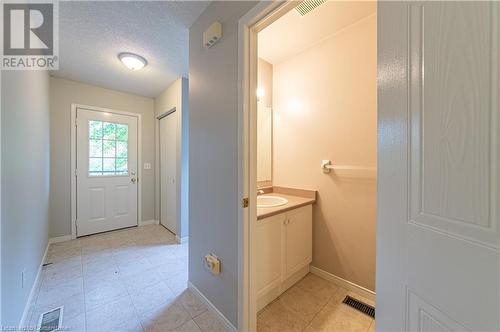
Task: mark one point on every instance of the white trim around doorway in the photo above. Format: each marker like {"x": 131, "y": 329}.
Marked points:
{"x": 258, "y": 18}
{"x": 74, "y": 107}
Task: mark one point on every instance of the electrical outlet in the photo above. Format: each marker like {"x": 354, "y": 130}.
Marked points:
{"x": 23, "y": 278}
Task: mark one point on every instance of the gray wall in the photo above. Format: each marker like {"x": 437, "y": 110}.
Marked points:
{"x": 25, "y": 185}
{"x": 65, "y": 92}
{"x": 185, "y": 159}
{"x": 213, "y": 155}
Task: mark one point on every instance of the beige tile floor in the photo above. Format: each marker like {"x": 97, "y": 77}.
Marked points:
{"x": 313, "y": 305}
{"x": 128, "y": 280}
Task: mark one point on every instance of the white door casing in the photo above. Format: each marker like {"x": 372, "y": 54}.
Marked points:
{"x": 256, "y": 19}
{"x": 106, "y": 199}
{"x": 168, "y": 171}
{"x": 438, "y": 237}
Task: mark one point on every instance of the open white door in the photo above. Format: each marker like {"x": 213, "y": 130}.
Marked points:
{"x": 438, "y": 233}
{"x": 168, "y": 171}
{"x": 106, "y": 171}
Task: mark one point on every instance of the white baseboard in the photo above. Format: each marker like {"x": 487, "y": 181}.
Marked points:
{"x": 60, "y": 239}
{"x": 148, "y": 222}
{"x": 23, "y": 322}
{"x": 364, "y": 292}
{"x": 70, "y": 237}
{"x": 182, "y": 240}
{"x": 220, "y": 316}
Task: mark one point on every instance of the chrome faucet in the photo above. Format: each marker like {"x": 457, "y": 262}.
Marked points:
{"x": 260, "y": 192}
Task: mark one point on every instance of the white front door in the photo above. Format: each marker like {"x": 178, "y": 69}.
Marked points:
{"x": 106, "y": 171}
{"x": 168, "y": 172}
{"x": 438, "y": 237}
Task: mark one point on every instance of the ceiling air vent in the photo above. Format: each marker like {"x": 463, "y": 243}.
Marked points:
{"x": 308, "y": 6}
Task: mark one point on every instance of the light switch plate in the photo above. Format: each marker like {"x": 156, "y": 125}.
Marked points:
{"x": 147, "y": 165}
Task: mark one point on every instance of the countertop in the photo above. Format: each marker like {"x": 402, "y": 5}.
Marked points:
{"x": 296, "y": 198}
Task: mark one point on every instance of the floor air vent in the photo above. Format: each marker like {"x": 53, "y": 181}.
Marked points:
{"x": 50, "y": 320}
{"x": 360, "y": 306}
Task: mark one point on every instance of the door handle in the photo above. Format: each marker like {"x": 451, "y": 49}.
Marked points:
{"x": 133, "y": 180}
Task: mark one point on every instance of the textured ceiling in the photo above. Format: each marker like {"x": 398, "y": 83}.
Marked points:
{"x": 92, "y": 33}
{"x": 295, "y": 33}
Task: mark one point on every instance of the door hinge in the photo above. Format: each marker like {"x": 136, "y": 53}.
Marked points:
{"x": 76, "y": 172}
{"x": 244, "y": 202}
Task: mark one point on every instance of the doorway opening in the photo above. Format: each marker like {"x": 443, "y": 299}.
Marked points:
{"x": 310, "y": 156}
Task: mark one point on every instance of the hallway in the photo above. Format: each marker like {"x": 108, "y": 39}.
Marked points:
{"x": 250, "y": 166}
{"x": 128, "y": 280}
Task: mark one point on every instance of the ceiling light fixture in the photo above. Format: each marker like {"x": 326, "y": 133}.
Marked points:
{"x": 132, "y": 61}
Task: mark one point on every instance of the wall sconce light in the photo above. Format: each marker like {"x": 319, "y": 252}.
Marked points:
{"x": 260, "y": 93}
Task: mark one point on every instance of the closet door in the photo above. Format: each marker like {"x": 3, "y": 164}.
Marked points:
{"x": 168, "y": 172}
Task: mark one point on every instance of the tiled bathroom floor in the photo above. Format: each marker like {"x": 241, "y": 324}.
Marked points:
{"x": 314, "y": 305}
{"x": 128, "y": 280}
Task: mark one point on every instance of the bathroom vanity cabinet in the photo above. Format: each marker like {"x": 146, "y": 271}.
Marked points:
{"x": 283, "y": 252}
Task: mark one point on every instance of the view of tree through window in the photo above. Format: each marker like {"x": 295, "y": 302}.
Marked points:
{"x": 108, "y": 148}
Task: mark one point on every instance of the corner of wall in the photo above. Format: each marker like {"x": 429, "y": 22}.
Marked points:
{"x": 25, "y": 124}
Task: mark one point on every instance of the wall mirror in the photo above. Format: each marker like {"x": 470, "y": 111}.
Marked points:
{"x": 264, "y": 143}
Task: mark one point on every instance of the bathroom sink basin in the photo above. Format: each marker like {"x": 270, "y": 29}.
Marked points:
{"x": 270, "y": 201}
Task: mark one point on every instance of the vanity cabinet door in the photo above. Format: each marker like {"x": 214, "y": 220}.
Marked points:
{"x": 268, "y": 249}
{"x": 298, "y": 239}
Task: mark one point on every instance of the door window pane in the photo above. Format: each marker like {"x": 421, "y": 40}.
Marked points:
{"x": 108, "y": 148}
{"x": 121, "y": 132}
{"x": 95, "y": 148}
{"x": 95, "y": 129}
{"x": 108, "y": 130}
{"x": 95, "y": 165}
{"x": 108, "y": 165}
{"x": 121, "y": 165}
{"x": 121, "y": 150}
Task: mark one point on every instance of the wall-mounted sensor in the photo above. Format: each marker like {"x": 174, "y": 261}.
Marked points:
{"x": 212, "y": 35}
